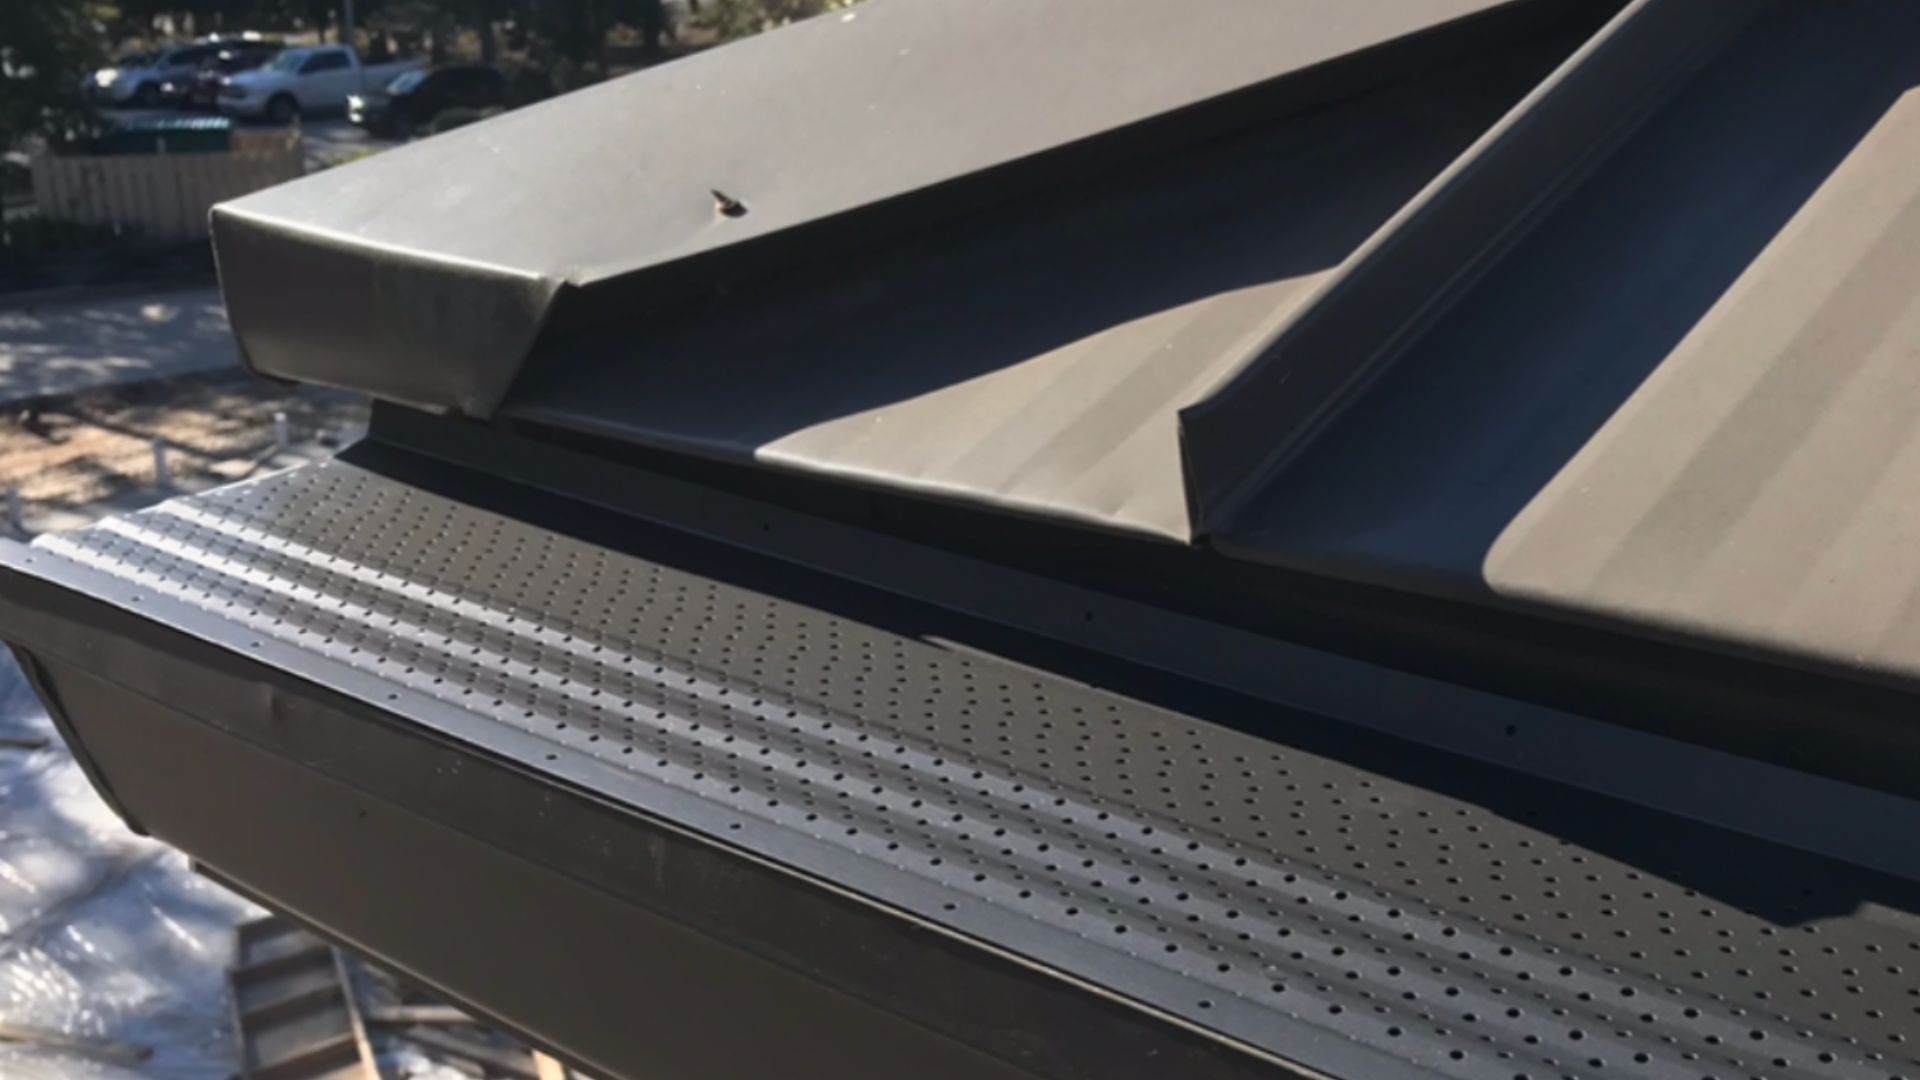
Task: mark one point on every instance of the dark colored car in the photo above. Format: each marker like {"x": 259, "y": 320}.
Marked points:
{"x": 412, "y": 101}
{"x": 201, "y": 88}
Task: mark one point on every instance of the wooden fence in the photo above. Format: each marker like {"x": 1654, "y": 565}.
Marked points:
{"x": 163, "y": 196}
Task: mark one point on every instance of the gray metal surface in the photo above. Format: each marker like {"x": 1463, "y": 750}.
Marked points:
{"x": 1686, "y": 399}
{"x": 426, "y": 272}
{"x": 1334, "y": 344}
{"x": 1649, "y": 338}
{"x": 1040, "y": 362}
{"x": 1322, "y": 911}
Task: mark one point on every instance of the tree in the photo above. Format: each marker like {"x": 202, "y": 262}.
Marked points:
{"x": 730, "y": 19}
{"x": 47, "y": 47}
{"x": 575, "y": 31}
{"x": 485, "y": 15}
{"x": 651, "y": 18}
{"x": 572, "y": 32}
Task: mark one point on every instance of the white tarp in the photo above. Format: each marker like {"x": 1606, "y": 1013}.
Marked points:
{"x": 105, "y": 937}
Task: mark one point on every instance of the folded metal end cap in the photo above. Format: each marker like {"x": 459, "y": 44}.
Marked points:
{"x": 406, "y": 326}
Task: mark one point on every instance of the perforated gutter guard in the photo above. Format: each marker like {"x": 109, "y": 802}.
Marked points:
{"x": 1253, "y": 902}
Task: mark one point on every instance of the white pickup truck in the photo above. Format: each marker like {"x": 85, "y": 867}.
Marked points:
{"x": 306, "y": 80}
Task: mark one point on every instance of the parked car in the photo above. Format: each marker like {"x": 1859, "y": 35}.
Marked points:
{"x": 411, "y": 102}
{"x": 139, "y": 79}
{"x": 201, "y": 88}
{"x": 305, "y": 80}
{"x": 95, "y": 86}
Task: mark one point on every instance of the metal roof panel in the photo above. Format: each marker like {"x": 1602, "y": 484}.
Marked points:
{"x": 779, "y": 149}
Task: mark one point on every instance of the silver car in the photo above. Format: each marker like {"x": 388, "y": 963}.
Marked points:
{"x": 138, "y": 79}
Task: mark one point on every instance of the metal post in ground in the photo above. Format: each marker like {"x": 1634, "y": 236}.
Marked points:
{"x": 281, "y": 433}
{"x": 160, "y": 479}
{"x": 16, "y": 514}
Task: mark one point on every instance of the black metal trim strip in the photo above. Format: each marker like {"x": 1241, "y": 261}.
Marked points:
{"x": 331, "y": 938}
{"x": 49, "y": 697}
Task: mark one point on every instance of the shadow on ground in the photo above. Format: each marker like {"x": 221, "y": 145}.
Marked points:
{"x": 62, "y": 348}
